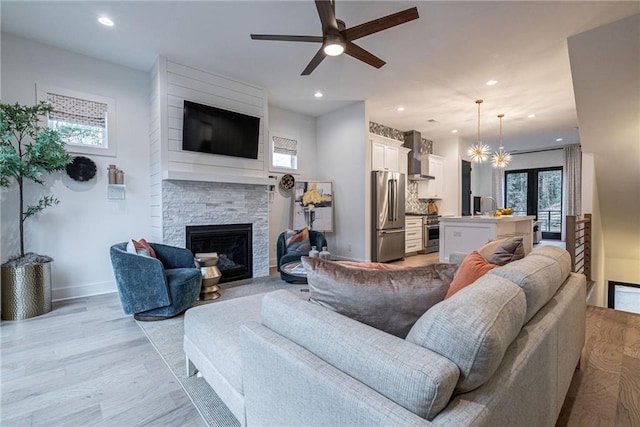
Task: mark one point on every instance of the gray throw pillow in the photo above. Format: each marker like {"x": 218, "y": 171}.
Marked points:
{"x": 503, "y": 251}
{"x": 389, "y": 300}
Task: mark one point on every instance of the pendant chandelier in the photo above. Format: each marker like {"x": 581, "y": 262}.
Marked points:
{"x": 500, "y": 158}
{"x": 479, "y": 152}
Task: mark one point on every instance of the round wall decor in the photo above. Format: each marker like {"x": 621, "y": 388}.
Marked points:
{"x": 82, "y": 169}
{"x": 287, "y": 182}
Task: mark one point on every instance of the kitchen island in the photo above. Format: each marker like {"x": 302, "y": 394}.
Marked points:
{"x": 464, "y": 234}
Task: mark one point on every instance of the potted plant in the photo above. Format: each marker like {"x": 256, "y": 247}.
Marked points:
{"x": 26, "y": 151}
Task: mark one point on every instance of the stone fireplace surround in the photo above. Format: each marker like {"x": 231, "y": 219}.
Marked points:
{"x": 215, "y": 203}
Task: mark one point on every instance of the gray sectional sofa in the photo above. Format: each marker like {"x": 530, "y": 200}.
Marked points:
{"x": 501, "y": 351}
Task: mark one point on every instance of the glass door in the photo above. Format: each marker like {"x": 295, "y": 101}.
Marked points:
{"x": 549, "y": 209}
{"x": 537, "y": 192}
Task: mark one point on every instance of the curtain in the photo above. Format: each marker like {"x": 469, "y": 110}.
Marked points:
{"x": 497, "y": 191}
{"x": 573, "y": 179}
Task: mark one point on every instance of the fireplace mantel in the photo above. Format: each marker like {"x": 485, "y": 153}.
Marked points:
{"x": 215, "y": 177}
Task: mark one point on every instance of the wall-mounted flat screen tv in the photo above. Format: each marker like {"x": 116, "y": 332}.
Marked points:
{"x": 213, "y": 130}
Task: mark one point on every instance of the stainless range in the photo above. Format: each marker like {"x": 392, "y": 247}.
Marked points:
{"x": 431, "y": 236}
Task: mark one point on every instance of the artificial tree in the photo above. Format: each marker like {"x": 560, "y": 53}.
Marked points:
{"x": 26, "y": 151}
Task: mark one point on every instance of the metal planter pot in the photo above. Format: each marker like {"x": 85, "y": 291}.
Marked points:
{"x": 26, "y": 291}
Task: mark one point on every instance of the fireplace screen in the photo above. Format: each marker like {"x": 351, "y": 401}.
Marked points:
{"x": 232, "y": 242}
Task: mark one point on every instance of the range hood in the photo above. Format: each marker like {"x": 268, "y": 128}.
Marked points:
{"x": 418, "y": 165}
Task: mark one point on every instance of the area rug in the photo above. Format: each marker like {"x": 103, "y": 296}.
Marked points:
{"x": 166, "y": 336}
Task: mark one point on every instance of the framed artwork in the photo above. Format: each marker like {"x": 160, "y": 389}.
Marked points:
{"x": 313, "y": 205}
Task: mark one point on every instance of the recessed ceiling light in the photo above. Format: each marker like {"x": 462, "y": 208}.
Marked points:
{"x": 531, "y": 116}
{"x": 492, "y": 82}
{"x": 558, "y": 139}
{"x": 105, "y": 21}
{"x": 454, "y": 131}
{"x": 318, "y": 94}
{"x": 400, "y": 109}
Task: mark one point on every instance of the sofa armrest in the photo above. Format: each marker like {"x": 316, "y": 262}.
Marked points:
{"x": 285, "y": 384}
{"x": 412, "y": 376}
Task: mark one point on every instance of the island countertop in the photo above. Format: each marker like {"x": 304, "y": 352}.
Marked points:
{"x": 486, "y": 218}
{"x": 464, "y": 234}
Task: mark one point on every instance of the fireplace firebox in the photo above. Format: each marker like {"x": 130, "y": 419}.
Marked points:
{"x": 232, "y": 242}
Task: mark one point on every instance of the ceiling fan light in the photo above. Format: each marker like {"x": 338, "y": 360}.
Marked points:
{"x": 333, "y": 45}
{"x": 334, "y": 49}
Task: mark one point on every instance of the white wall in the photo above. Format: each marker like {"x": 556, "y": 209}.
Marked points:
{"x": 78, "y": 232}
{"x": 591, "y": 205}
{"x": 343, "y": 156}
{"x": 302, "y": 128}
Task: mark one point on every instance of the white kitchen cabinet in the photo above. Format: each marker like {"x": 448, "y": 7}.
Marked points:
{"x": 387, "y": 154}
{"x": 432, "y": 188}
{"x": 413, "y": 235}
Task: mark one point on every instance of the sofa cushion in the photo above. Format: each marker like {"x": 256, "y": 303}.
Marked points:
{"x": 413, "y": 377}
{"x": 473, "y": 328}
{"x": 215, "y": 330}
{"x": 472, "y": 268}
{"x": 389, "y": 300}
{"x": 503, "y": 251}
{"x": 540, "y": 274}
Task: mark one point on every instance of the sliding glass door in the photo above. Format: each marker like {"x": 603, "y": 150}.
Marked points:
{"x": 537, "y": 192}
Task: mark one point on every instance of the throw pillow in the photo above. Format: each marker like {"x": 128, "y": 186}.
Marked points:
{"x": 503, "y": 251}
{"x": 297, "y": 241}
{"x": 140, "y": 248}
{"x": 389, "y": 300}
{"x": 472, "y": 268}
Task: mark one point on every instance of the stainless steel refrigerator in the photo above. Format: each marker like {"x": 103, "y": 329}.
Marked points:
{"x": 388, "y": 215}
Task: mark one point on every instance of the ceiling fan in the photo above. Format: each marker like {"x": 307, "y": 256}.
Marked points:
{"x": 336, "y": 38}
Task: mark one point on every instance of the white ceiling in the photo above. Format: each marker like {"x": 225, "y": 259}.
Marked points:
{"x": 436, "y": 67}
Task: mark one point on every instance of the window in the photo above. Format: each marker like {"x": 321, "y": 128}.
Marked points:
{"x": 284, "y": 153}
{"x": 84, "y": 121}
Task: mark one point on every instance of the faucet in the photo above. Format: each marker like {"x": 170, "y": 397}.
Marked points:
{"x": 495, "y": 204}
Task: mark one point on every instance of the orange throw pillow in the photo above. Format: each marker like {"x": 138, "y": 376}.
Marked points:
{"x": 144, "y": 244}
{"x": 472, "y": 268}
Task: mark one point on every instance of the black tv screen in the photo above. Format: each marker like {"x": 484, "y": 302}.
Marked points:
{"x": 212, "y": 130}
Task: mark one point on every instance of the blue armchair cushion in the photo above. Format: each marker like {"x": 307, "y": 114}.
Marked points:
{"x": 297, "y": 241}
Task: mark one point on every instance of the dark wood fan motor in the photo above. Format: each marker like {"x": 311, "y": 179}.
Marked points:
{"x": 336, "y": 38}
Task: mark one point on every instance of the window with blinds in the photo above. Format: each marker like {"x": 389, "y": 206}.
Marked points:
{"x": 79, "y": 121}
{"x": 284, "y": 153}
{"x": 85, "y": 122}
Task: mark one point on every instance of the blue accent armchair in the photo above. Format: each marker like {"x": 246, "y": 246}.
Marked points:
{"x": 155, "y": 288}
{"x": 316, "y": 239}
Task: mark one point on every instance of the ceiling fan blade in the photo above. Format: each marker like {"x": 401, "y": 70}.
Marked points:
{"x": 357, "y": 52}
{"x": 327, "y": 14}
{"x": 314, "y": 39}
{"x": 315, "y": 61}
{"x": 380, "y": 24}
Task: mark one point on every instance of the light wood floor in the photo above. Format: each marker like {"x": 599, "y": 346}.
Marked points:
{"x": 86, "y": 363}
